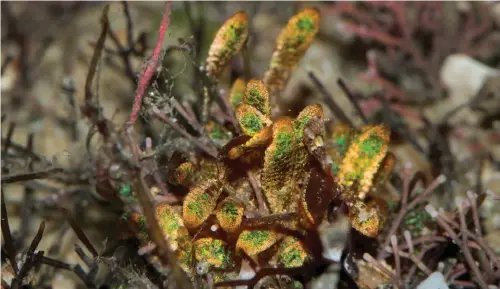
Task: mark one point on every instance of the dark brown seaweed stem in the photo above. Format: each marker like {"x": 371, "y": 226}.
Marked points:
{"x": 162, "y": 117}
{"x": 466, "y": 251}
{"x": 353, "y": 99}
{"x": 9, "y": 244}
{"x": 485, "y": 266}
{"x": 55, "y": 263}
{"x": 91, "y": 109}
{"x": 478, "y": 239}
{"x": 164, "y": 251}
{"x": 22, "y": 150}
{"x": 123, "y": 53}
{"x": 405, "y": 208}
{"x": 148, "y": 205}
{"x": 328, "y": 98}
{"x": 8, "y": 138}
{"x": 263, "y": 210}
{"x": 191, "y": 120}
{"x": 13, "y": 178}
{"x": 130, "y": 25}
{"x": 27, "y": 200}
{"x": 80, "y": 234}
{"x": 413, "y": 269}
{"x": 229, "y": 112}
{"x": 397, "y": 260}
{"x": 31, "y": 258}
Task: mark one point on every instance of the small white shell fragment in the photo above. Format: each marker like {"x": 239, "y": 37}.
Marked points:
{"x": 434, "y": 281}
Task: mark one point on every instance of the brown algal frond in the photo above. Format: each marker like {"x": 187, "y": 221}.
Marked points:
{"x": 200, "y": 202}
{"x": 250, "y": 119}
{"x": 363, "y": 158}
{"x": 256, "y": 95}
{"x": 228, "y": 41}
{"x": 214, "y": 252}
{"x": 291, "y": 45}
{"x": 292, "y": 253}
{"x": 284, "y": 161}
{"x": 229, "y": 213}
{"x": 257, "y": 241}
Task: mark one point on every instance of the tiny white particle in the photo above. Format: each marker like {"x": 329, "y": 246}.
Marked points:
{"x": 431, "y": 210}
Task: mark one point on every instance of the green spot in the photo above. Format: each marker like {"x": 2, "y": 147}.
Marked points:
{"x": 252, "y": 123}
{"x": 125, "y": 190}
{"x": 291, "y": 258}
{"x": 230, "y": 211}
{"x": 300, "y": 124}
{"x": 234, "y": 33}
{"x": 254, "y": 98}
{"x": 171, "y": 223}
{"x": 215, "y": 250}
{"x": 196, "y": 209}
{"x": 284, "y": 145}
{"x": 416, "y": 220}
{"x": 203, "y": 198}
{"x": 256, "y": 238}
{"x": 305, "y": 25}
{"x": 371, "y": 146}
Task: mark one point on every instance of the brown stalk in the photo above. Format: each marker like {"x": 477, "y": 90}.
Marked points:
{"x": 406, "y": 208}
{"x": 397, "y": 260}
{"x": 353, "y": 99}
{"x": 328, "y": 98}
{"x": 368, "y": 258}
{"x": 90, "y": 109}
{"x": 466, "y": 251}
{"x": 13, "y": 178}
{"x": 477, "y": 227}
{"x": 79, "y": 233}
{"x": 146, "y": 201}
{"x": 263, "y": 210}
{"x": 9, "y": 244}
{"x": 162, "y": 117}
{"x": 31, "y": 258}
{"x": 8, "y": 138}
